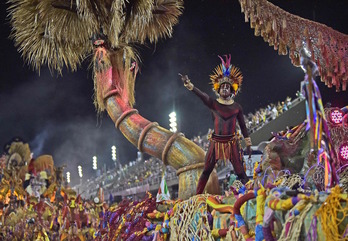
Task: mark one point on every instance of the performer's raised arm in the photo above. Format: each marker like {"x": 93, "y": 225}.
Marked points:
{"x": 244, "y": 130}
{"x": 207, "y": 100}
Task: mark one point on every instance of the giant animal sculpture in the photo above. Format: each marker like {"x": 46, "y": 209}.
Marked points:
{"x": 61, "y": 35}
{"x": 291, "y": 152}
{"x": 114, "y": 94}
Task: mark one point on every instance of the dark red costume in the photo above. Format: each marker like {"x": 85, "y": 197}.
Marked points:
{"x": 224, "y": 142}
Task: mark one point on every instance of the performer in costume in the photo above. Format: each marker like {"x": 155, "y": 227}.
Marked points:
{"x": 226, "y": 80}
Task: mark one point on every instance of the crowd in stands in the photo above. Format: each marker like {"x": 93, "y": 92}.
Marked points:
{"x": 134, "y": 174}
{"x": 256, "y": 120}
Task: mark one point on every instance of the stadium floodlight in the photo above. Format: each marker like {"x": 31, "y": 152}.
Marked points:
{"x": 79, "y": 169}
{"x": 113, "y": 153}
{"x": 68, "y": 177}
{"x": 172, "y": 122}
{"x": 95, "y": 166}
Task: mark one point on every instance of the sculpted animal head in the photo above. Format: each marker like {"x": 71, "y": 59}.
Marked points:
{"x": 114, "y": 74}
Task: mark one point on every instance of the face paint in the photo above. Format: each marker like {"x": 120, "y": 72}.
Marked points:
{"x": 225, "y": 90}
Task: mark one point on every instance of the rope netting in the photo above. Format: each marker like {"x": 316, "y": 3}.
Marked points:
{"x": 190, "y": 220}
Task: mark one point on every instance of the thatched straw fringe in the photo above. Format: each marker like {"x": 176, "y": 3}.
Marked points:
{"x": 117, "y": 22}
{"x": 58, "y": 33}
{"x": 84, "y": 9}
{"x": 101, "y": 63}
{"x": 46, "y": 35}
{"x": 66, "y": 26}
{"x": 165, "y": 15}
{"x": 137, "y": 21}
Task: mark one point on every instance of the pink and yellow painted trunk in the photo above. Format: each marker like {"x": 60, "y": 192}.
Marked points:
{"x": 112, "y": 87}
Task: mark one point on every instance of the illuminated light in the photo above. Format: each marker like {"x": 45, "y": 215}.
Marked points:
{"x": 336, "y": 116}
{"x": 172, "y": 120}
{"x": 95, "y": 167}
{"x": 79, "y": 169}
{"x": 343, "y": 152}
{"x": 113, "y": 153}
{"x": 68, "y": 177}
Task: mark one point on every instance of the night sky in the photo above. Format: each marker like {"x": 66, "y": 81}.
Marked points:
{"x": 56, "y": 115}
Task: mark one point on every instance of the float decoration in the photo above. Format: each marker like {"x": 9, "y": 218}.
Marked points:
{"x": 289, "y": 34}
{"x": 58, "y": 33}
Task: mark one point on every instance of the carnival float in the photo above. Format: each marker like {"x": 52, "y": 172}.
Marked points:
{"x": 298, "y": 190}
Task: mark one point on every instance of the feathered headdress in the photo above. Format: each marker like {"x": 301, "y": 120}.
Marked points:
{"x": 226, "y": 73}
